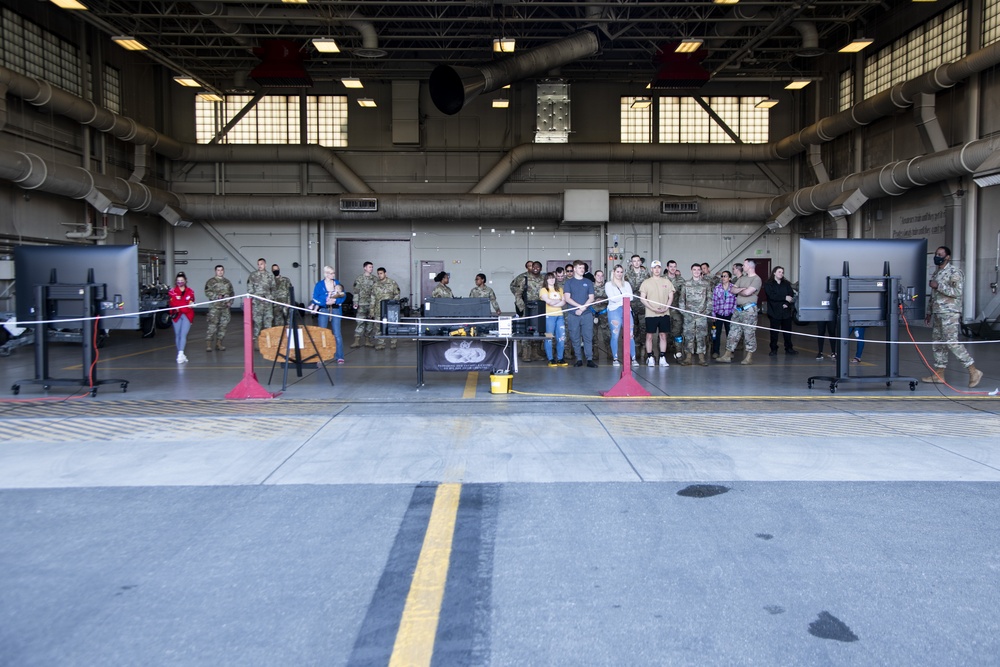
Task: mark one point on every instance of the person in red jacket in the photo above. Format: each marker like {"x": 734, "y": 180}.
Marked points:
{"x": 181, "y": 298}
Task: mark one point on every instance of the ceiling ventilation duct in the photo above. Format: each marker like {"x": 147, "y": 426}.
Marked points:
{"x": 454, "y": 87}
{"x": 281, "y": 65}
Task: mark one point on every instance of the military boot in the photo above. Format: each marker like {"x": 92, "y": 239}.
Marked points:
{"x": 702, "y": 360}
{"x": 357, "y": 342}
{"x": 219, "y": 345}
{"x": 747, "y": 360}
{"x": 937, "y": 377}
{"x": 727, "y": 358}
{"x": 369, "y": 341}
{"x": 208, "y": 345}
{"x": 686, "y": 360}
{"x": 392, "y": 344}
{"x": 975, "y": 375}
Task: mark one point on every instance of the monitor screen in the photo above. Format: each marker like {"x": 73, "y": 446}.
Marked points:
{"x": 822, "y": 258}
{"x": 116, "y": 267}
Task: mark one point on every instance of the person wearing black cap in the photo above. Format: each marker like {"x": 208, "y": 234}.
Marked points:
{"x": 442, "y": 291}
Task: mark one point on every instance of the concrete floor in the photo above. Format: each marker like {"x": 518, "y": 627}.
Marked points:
{"x": 736, "y": 516}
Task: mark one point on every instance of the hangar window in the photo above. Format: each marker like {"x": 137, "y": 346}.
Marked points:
{"x": 845, "y": 96}
{"x": 991, "y": 21}
{"x": 682, "y": 120}
{"x": 29, "y": 50}
{"x": 274, "y": 120}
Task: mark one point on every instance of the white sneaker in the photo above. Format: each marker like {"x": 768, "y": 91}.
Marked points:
{"x": 663, "y": 362}
{"x": 181, "y": 358}
{"x": 635, "y": 362}
{"x": 650, "y": 362}
{"x": 615, "y": 363}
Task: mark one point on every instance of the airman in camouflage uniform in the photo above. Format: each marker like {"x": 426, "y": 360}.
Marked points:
{"x": 677, "y": 318}
{"x": 283, "y": 293}
{"x": 744, "y": 322}
{"x": 261, "y": 283}
{"x": 219, "y": 314}
{"x": 602, "y": 331}
{"x": 484, "y": 291}
{"x": 945, "y": 312}
{"x": 385, "y": 289}
{"x": 441, "y": 290}
{"x": 696, "y": 297}
{"x": 364, "y": 332}
{"x": 533, "y": 284}
{"x": 635, "y": 274}
{"x": 517, "y": 288}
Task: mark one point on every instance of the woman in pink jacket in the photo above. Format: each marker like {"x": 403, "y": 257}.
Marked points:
{"x": 181, "y": 298}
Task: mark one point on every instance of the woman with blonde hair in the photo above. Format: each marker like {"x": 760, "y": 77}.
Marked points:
{"x": 327, "y": 298}
{"x": 617, "y": 289}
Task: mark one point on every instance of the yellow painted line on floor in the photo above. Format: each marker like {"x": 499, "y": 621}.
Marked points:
{"x": 414, "y": 644}
{"x": 470, "y": 384}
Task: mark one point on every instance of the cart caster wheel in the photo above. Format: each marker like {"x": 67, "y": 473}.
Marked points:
{"x": 810, "y": 383}
{"x": 124, "y": 387}
{"x": 93, "y": 392}
{"x": 46, "y": 387}
{"x": 913, "y": 386}
{"x": 888, "y": 384}
{"x": 833, "y": 389}
{"x": 16, "y": 389}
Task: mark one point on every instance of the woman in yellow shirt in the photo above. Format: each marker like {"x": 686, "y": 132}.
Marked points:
{"x": 555, "y": 323}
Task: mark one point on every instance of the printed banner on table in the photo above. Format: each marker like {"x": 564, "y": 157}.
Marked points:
{"x": 467, "y": 355}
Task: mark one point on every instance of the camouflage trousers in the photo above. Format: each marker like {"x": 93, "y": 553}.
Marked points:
{"x": 744, "y": 325}
{"x": 279, "y": 316}
{"x": 263, "y": 317}
{"x": 602, "y": 337}
{"x": 218, "y": 320}
{"x": 638, "y": 325}
{"x": 945, "y": 329}
{"x": 695, "y": 334}
{"x": 362, "y": 328}
{"x": 677, "y": 329}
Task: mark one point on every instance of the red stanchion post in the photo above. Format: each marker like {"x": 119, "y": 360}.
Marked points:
{"x": 249, "y": 387}
{"x": 626, "y": 385}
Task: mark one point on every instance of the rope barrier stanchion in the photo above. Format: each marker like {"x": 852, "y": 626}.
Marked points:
{"x": 626, "y": 385}
{"x": 249, "y": 387}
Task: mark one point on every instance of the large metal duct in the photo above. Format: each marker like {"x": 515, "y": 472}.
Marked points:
{"x": 453, "y": 87}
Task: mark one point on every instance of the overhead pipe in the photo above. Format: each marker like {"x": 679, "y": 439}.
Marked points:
{"x": 452, "y": 87}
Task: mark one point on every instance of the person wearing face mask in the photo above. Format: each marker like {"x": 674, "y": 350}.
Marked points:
{"x": 181, "y": 297}
{"x": 283, "y": 293}
{"x": 945, "y": 315}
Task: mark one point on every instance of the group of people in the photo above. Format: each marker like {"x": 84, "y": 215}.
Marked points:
{"x": 687, "y": 316}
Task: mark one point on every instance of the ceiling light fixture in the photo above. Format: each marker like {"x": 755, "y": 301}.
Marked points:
{"x": 187, "y": 81}
{"x": 798, "y": 84}
{"x": 689, "y": 45}
{"x": 501, "y": 103}
{"x": 326, "y": 45}
{"x": 856, "y": 45}
{"x": 503, "y": 45}
{"x": 642, "y": 102}
{"x": 295, "y": 2}
{"x": 129, "y": 43}
{"x": 210, "y": 97}
{"x": 366, "y": 102}
{"x": 69, "y": 4}
{"x": 725, "y": 2}
{"x": 766, "y": 103}
{"x": 352, "y": 82}
{"x": 988, "y": 173}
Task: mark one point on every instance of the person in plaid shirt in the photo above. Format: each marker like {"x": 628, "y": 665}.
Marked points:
{"x": 723, "y": 305}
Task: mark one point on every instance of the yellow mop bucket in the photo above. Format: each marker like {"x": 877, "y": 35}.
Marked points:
{"x": 500, "y": 382}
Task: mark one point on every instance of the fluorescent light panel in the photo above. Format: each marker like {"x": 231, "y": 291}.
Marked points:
{"x": 210, "y": 97}
{"x": 504, "y": 45}
{"x": 856, "y": 45}
{"x": 69, "y": 4}
{"x": 766, "y": 103}
{"x": 366, "y": 102}
{"x": 352, "y": 82}
{"x": 688, "y": 46}
{"x": 501, "y": 103}
{"x": 642, "y": 102}
{"x": 326, "y": 45}
{"x": 798, "y": 84}
{"x": 129, "y": 43}
{"x": 187, "y": 81}
{"x": 725, "y": 2}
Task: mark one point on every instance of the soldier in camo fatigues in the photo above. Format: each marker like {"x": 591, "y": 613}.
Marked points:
{"x": 261, "y": 283}
{"x": 441, "y": 290}
{"x": 517, "y": 288}
{"x": 635, "y": 274}
{"x": 283, "y": 293}
{"x": 385, "y": 289}
{"x": 364, "y": 332}
{"x": 484, "y": 291}
{"x": 677, "y": 318}
{"x": 744, "y": 322}
{"x": 696, "y": 297}
{"x": 602, "y": 331}
{"x": 533, "y": 285}
{"x": 945, "y": 312}
{"x": 219, "y": 314}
